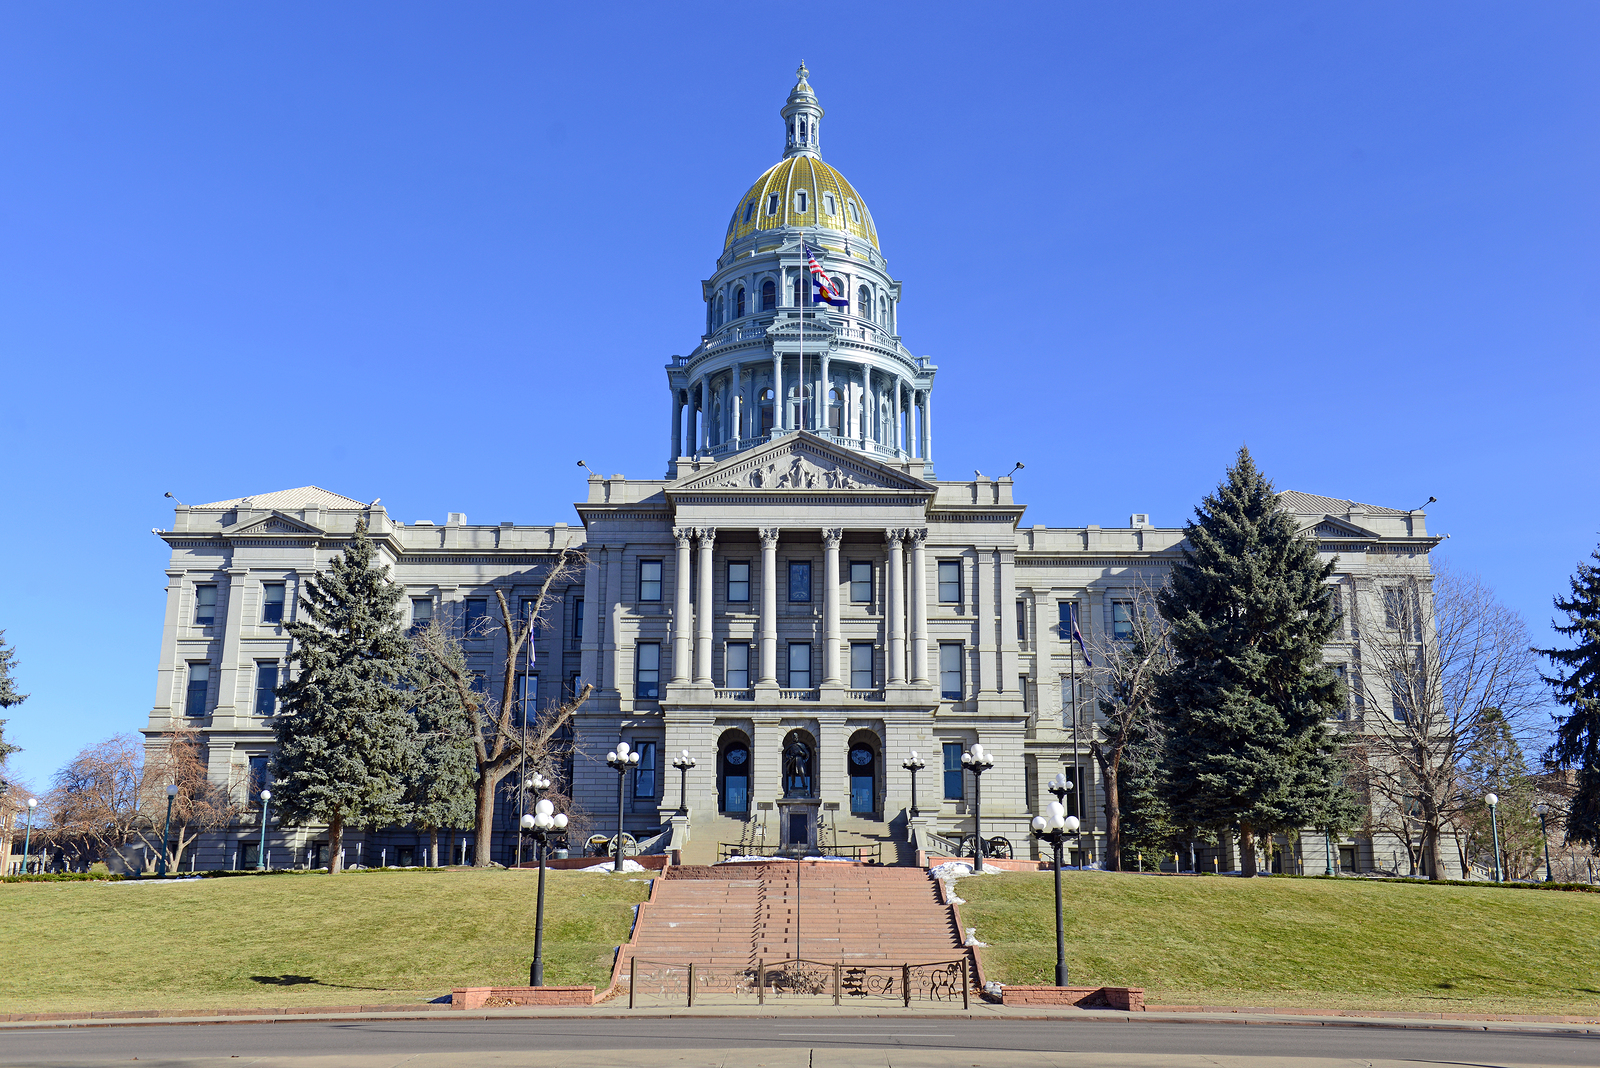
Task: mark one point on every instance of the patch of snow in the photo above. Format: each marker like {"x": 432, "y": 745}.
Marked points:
{"x": 993, "y": 989}
{"x": 172, "y": 881}
{"x": 748, "y": 860}
{"x": 972, "y": 939}
{"x": 627, "y": 865}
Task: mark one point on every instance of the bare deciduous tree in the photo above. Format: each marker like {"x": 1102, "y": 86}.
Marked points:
{"x": 499, "y": 734}
{"x": 97, "y": 801}
{"x": 199, "y": 806}
{"x": 1435, "y": 685}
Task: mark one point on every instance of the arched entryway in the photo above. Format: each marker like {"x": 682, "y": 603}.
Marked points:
{"x": 733, "y": 773}
{"x": 863, "y": 767}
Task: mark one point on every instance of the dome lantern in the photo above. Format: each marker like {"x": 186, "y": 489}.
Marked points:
{"x": 802, "y": 118}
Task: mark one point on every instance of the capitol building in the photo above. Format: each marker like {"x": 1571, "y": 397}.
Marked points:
{"x": 799, "y": 601}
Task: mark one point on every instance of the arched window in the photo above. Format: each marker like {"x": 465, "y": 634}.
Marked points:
{"x": 738, "y": 303}
{"x": 835, "y": 411}
{"x": 799, "y": 765}
{"x": 748, "y": 210}
{"x": 799, "y": 291}
{"x": 772, "y": 204}
{"x": 864, "y": 302}
{"x": 802, "y": 201}
{"x": 802, "y": 129}
{"x": 863, "y": 767}
{"x": 721, "y": 307}
{"x": 769, "y": 295}
{"x": 733, "y": 771}
{"x": 766, "y": 410}
{"x": 883, "y": 312}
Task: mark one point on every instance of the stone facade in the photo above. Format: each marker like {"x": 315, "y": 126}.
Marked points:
{"x": 800, "y": 602}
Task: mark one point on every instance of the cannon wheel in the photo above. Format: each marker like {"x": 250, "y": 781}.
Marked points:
{"x": 999, "y": 846}
{"x": 969, "y": 846}
{"x": 630, "y": 847}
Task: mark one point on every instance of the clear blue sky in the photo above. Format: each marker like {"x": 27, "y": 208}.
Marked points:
{"x": 436, "y": 253}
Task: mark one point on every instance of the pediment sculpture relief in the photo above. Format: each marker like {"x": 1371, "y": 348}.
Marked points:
{"x": 792, "y": 472}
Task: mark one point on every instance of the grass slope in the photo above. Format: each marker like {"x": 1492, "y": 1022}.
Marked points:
{"x": 361, "y": 938}
{"x": 1335, "y": 943}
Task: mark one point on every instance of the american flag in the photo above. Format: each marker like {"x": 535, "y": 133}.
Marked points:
{"x": 824, "y": 289}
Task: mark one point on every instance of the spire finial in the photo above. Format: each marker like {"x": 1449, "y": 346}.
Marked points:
{"x": 801, "y": 71}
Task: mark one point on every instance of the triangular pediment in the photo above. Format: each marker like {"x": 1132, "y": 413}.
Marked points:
{"x": 272, "y": 523}
{"x": 1333, "y": 527}
{"x": 801, "y": 461}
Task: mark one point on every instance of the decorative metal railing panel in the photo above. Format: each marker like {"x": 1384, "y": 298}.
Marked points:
{"x": 734, "y": 695}
{"x": 653, "y": 983}
{"x": 799, "y": 695}
{"x": 864, "y": 695}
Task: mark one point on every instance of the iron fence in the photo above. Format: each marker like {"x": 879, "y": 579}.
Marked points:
{"x": 672, "y": 983}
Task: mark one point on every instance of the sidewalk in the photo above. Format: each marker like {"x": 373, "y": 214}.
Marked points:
{"x": 618, "y": 1010}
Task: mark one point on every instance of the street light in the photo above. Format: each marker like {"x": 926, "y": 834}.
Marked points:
{"x": 1493, "y": 801}
{"x": 27, "y": 838}
{"x": 261, "y": 852}
{"x": 539, "y": 823}
{"x": 620, "y": 760}
{"x": 914, "y": 764}
{"x": 1542, "y": 809}
{"x": 1053, "y": 827}
{"x": 539, "y": 783}
{"x": 683, "y": 762}
{"x": 1061, "y": 786}
{"x": 166, "y": 832}
{"x": 978, "y": 762}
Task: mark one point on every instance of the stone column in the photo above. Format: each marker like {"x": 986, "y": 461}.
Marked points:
{"x": 922, "y": 423}
{"x": 927, "y": 427}
{"x": 229, "y": 670}
{"x": 897, "y": 641}
{"x": 919, "y": 604}
{"x": 589, "y": 665}
{"x": 1009, "y": 676}
{"x": 705, "y": 413}
{"x": 984, "y": 610}
{"x": 736, "y": 403}
{"x": 769, "y": 606}
{"x": 899, "y": 427}
{"x": 822, "y": 402}
{"x": 680, "y": 606}
{"x": 777, "y": 389}
{"x": 866, "y": 401}
{"x": 834, "y": 640}
{"x": 677, "y": 423}
{"x": 702, "y": 658}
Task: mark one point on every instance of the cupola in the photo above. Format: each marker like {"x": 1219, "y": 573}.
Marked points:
{"x": 802, "y": 116}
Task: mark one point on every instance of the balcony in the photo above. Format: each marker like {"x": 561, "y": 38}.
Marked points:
{"x": 799, "y": 695}
{"x": 734, "y": 695}
{"x": 864, "y": 695}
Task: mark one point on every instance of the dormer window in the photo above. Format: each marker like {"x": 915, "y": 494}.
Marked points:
{"x": 749, "y": 209}
{"x": 855, "y": 212}
{"x": 802, "y": 201}
{"x": 772, "y": 204}
{"x": 829, "y": 205}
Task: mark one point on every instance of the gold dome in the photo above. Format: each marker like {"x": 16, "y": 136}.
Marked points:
{"x": 808, "y": 193}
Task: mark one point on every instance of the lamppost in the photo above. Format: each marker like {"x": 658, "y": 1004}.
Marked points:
{"x": 166, "y": 832}
{"x": 27, "y": 838}
{"x": 539, "y": 823}
{"x": 1542, "y": 809}
{"x": 620, "y": 761}
{"x": 1327, "y": 846}
{"x": 539, "y": 783}
{"x": 683, "y": 762}
{"x": 978, "y": 762}
{"x": 261, "y": 851}
{"x": 914, "y": 764}
{"x": 1053, "y": 827}
{"x": 1493, "y": 801}
{"x": 1061, "y": 786}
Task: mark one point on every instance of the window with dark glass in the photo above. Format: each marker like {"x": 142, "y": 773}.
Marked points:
{"x": 527, "y": 697}
{"x": 194, "y": 703}
{"x": 649, "y": 580}
{"x": 950, "y": 581}
{"x": 772, "y": 204}
{"x": 272, "y": 602}
{"x": 266, "y": 687}
{"x": 950, "y": 670}
{"x": 860, "y": 582}
{"x": 644, "y": 776}
{"x": 647, "y": 671}
{"x": 1022, "y": 621}
{"x": 736, "y": 666}
{"x": 205, "y": 606}
{"x": 861, "y": 665}
{"x": 577, "y": 620}
{"x": 799, "y": 582}
{"x": 749, "y": 209}
{"x": 799, "y": 292}
{"x": 738, "y": 303}
{"x": 769, "y": 295}
{"x": 421, "y": 612}
{"x": 829, "y": 204}
{"x": 1341, "y": 673}
{"x": 799, "y": 665}
{"x": 1336, "y": 602}
{"x": 954, "y": 785}
{"x": 735, "y": 778}
{"x": 864, "y": 302}
{"x": 477, "y": 617}
{"x": 739, "y": 581}
{"x": 801, "y": 201}
{"x": 1122, "y": 621}
{"x": 863, "y": 781}
{"x": 258, "y": 779}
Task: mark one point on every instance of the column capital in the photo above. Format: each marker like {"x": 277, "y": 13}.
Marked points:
{"x": 916, "y": 536}
{"x": 893, "y": 536}
{"x": 683, "y": 535}
{"x": 707, "y": 536}
{"x": 832, "y": 536}
{"x": 769, "y": 537}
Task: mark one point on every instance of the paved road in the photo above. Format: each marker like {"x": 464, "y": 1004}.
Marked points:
{"x": 782, "y": 1043}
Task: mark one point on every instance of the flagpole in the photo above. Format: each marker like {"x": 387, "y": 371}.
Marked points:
{"x": 1072, "y": 642}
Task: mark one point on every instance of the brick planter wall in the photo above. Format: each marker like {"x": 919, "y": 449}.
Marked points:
{"x": 653, "y": 862}
{"x": 490, "y": 997}
{"x": 1128, "y": 999}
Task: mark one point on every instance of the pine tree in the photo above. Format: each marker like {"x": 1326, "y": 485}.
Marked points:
{"x": 1247, "y": 698}
{"x": 1577, "y": 685}
{"x": 344, "y": 735}
{"x": 442, "y": 791}
{"x": 8, "y": 692}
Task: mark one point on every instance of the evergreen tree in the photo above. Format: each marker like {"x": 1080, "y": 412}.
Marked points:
{"x": 1147, "y": 824}
{"x": 344, "y": 735}
{"x": 442, "y": 791}
{"x": 1577, "y": 685}
{"x": 1247, "y": 698}
{"x": 8, "y": 692}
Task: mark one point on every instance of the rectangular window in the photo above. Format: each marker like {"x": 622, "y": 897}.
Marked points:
{"x": 954, "y": 781}
{"x": 1022, "y": 621}
{"x": 1336, "y": 602}
{"x": 1343, "y": 675}
{"x": 950, "y": 671}
{"x": 194, "y": 703}
{"x": 1401, "y": 611}
{"x": 647, "y": 671}
{"x": 1122, "y": 621}
{"x": 799, "y": 665}
{"x": 577, "y": 620}
{"x": 477, "y": 617}
{"x": 736, "y": 666}
{"x": 258, "y": 779}
{"x": 950, "y": 581}
{"x": 650, "y": 580}
{"x": 861, "y": 665}
{"x": 421, "y": 612}
{"x": 644, "y": 776}
{"x": 527, "y": 697}
{"x": 266, "y": 687}
{"x": 1073, "y": 802}
{"x": 1022, "y": 688}
{"x": 799, "y": 582}
{"x": 860, "y": 582}
{"x": 205, "y": 606}
{"x": 272, "y": 602}
{"x": 739, "y": 581}
{"x": 1400, "y": 695}
{"x": 574, "y": 688}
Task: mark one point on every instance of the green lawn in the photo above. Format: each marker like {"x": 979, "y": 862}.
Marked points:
{"x": 361, "y": 938}
{"x": 1336, "y": 943}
